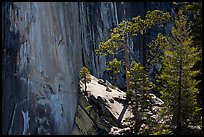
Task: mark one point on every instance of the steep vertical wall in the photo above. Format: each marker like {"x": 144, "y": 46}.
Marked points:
{"x": 44, "y": 47}
{"x": 39, "y": 67}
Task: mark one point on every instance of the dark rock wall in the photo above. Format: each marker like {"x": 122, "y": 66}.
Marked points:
{"x": 44, "y": 45}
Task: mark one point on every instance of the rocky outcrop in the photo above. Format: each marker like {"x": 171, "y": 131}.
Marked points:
{"x": 102, "y": 112}
{"x": 100, "y": 109}
{"x": 44, "y": 47}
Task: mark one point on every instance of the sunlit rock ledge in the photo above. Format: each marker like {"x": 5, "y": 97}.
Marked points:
{"x": 101, "y": 109}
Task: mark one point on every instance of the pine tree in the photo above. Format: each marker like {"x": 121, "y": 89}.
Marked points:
{"x": 115, "y": 67}
{"x": 194, "y": 11}
{"x": 126, "y": 29}
{"x": 85, "y": 76}
{"x": 139, "y": 93}
{"x": 154, "y": 58}
{"x": 178, "y": 86}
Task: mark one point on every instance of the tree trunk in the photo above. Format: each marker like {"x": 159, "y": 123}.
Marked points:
{"x": 144, "y": 53}
{"x": 126, "y": 67}
{"x": 178, "y": 115}
{"x": 126, "y": 62}
{"x": 138, "y": 123}
{"x": 114, "y": 77}
{"x": 85, "y": 85}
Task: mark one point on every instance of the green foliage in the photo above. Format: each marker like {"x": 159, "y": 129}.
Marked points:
{"x": 162, "y": 132}
{"x": 139, "y": 93}
{"x": 177, "y": 54}
{"x": 105, "y": 48}
{"x": 194, "y": 11}
{"x": 85, "y": 76}
{"x": 115, "y": 67}
{"x": 138, "y": 84}
{"x": 127, "y": 29}
{"x": 177, "y": 74}
{"x": 139, "y": 79}
{"x": 88, "y": 107}
{"x": 152, "y": 18}
{"x": 155, "y": 52}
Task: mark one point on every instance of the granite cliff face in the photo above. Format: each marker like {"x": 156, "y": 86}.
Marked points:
{"x": 44, "y": 46}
